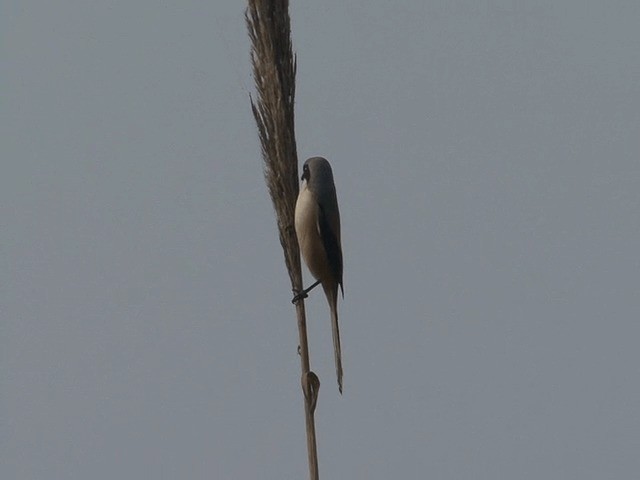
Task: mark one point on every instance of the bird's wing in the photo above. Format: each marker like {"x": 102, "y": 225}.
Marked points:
{"x": 329, "y": 229}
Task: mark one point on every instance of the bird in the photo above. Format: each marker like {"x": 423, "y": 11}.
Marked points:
{"x": 317, "y": 226}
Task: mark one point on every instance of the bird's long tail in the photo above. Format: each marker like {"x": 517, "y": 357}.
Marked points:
{"x": 333, "y": 305}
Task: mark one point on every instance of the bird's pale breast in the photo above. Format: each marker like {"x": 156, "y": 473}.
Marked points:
{"x": 308, "y": 233}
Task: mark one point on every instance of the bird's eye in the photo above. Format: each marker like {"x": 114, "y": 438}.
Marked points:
{"x": 305, "y": 173}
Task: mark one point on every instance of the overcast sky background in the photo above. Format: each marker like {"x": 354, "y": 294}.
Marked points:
{"x": 487, "y": 161}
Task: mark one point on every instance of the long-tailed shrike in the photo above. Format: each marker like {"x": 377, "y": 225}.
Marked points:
{"x": 317, "y": 222}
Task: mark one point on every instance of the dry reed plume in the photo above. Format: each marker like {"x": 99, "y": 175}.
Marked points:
{"x": 274, "y": 71}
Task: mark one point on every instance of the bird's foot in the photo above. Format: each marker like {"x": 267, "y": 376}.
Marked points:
{"x": 299, "y": 296}
{"x": 304, "y": 293}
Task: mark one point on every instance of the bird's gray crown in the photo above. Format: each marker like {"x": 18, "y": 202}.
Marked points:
{"x": 318, "y": 174}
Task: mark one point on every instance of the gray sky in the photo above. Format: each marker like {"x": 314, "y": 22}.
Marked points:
{"x": 487, "y": 161}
